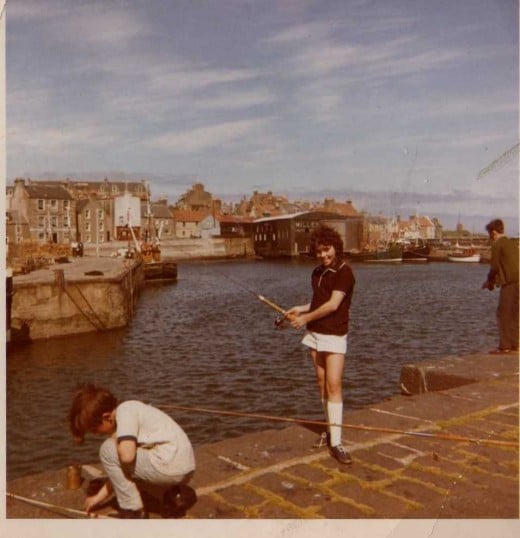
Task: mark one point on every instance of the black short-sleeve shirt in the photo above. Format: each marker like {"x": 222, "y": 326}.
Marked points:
{"x": 324, "y": 281}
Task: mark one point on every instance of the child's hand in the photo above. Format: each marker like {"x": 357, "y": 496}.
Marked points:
{"x": 90, "y": 503}
{"x": 298, "y": 321}
{"x": 101, "y": 496}
{"x": 290, "y": 315}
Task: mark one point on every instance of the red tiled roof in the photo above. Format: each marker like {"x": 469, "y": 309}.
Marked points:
{"x": 188, "y": 215}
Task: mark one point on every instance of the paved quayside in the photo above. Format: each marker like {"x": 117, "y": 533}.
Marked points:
{"x": 281, "y": 473}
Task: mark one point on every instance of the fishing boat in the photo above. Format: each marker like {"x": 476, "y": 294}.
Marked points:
{"x": 148, "y": 250}
{"x": 418, "y": 253}
{"x": 392, "y": 253}
{"x": 156, "y": 267}
{"x": 464, "y": 255}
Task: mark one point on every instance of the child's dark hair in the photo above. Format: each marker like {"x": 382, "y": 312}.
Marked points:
{"x": 326, "y": 236}
{"x": 89, "y": 404}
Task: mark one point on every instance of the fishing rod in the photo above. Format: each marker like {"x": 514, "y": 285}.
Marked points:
{"x": 442, "y": 436}
{"x": 62, "y": 510}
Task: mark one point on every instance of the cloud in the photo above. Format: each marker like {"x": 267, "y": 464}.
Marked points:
{"x": 206, "y": 137}
{"x": 186, "y": 77}
{"x": 52, "y": 140}
{"x": 88, "y": 24}
{"x": 233, "y": 99}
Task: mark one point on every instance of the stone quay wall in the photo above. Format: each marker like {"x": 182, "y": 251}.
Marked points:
{"x": 77, "y": 297}
{"x": 186, "y": 249}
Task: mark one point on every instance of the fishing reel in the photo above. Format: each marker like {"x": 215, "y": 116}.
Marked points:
{"x": 280, "y": 322}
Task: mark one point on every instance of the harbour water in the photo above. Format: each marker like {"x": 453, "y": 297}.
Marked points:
{"x": 207, "y": 341}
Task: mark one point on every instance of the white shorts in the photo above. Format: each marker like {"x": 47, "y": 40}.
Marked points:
{"x": 326, "y": 342}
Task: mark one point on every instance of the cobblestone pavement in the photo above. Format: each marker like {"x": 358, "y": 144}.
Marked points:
{"x": 283, "y": 474}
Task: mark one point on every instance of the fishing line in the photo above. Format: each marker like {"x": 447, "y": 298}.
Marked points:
{"x": 241, "y": 285}
{"x": 446, "y": 437}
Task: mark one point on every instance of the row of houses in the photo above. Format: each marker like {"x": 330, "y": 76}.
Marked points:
{"x": 103, "y": 211}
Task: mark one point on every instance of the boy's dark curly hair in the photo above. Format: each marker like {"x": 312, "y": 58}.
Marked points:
{"x": 89, "y": 404}
{"x": 326, "y": 236}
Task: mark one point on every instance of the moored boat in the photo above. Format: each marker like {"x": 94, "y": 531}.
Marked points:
{"x": 390, "y": 254}
{"x": 155, "y": 266}
{"x": 464, "y": 255}
{"x": 416, "y": 253}
{"x": 164, "y": 269}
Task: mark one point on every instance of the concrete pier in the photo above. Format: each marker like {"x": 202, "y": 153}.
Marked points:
{"x": 410, "y": 473}
{"x": 81, "y": 295}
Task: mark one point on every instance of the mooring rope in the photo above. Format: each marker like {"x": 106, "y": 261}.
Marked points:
{"x": 94, "y": 313}
{"x": 62, "y": 510}
{"x": 89, "y": 319}
{"x": 446, "y": 437}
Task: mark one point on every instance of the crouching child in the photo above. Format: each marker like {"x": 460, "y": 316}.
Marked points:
{"x": 145, "y": 448}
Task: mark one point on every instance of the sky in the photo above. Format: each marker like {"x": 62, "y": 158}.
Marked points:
{"x": 402, "y": 106}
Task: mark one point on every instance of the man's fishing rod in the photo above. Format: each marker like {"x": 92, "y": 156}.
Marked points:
{"x": 361, "y": 427}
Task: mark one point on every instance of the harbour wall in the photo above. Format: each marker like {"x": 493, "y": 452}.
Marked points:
{"x": 64, "y": 296}
{"x": 186, "y": 249}
{"x": 76, "y": 297}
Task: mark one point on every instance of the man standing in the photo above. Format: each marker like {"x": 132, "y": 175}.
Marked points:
{"x": 504, "y": 273}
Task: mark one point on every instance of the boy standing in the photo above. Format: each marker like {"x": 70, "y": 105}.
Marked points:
{"x": 144, "y": 445}
{"x": 326, "y": 319}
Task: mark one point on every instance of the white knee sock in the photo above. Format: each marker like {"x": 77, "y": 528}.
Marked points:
{"x": 335, "y": 414}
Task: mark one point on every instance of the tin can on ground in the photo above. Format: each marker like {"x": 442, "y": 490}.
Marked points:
{"x": 74, "y": 476}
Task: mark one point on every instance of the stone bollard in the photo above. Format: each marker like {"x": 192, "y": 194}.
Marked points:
{"x": 59, "y": 277}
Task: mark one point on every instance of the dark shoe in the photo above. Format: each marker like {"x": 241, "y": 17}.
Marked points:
{"x": 340, "y": 454}
{"x": 500, "y": 351}
{"x": 126, "y": 513}
{"x": 173, "y": 503}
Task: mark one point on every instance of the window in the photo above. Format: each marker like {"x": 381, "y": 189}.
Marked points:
{"x": 101, "y": 226}
{"x": 88, "y": 239}
{"x": 114, "y": 188}
{"x": 100, "y": 214}
{"x": 87, "y": 213}
{"x": 54, "y": 205}
{"x": 41, "y": 205}
{"x": 66, "y": 221}
{"x": 41, "y": 221}
{"x": 66, "y": 204}
{"x": 54, "y": 222}
{"x": 87, "y": 226}
{"x": 41, "y": 236}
